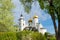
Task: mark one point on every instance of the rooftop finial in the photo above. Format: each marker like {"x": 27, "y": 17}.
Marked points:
{"x": 35, "y": 16}
{"x": 21, "y": 15}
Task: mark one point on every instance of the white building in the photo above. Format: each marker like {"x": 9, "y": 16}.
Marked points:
{"x": 33, "y": 24}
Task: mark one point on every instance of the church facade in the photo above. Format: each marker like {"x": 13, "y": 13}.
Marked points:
{"x": 33, "y": 24}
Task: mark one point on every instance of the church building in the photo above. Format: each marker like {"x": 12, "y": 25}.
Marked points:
{"x": 33, "y": 24}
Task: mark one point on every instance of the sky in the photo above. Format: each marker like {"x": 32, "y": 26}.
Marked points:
{"x": 44, "y": 17}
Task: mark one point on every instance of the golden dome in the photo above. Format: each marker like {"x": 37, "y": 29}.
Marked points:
{"x": 35, "y": 16}
{"x": 30, "y": 20}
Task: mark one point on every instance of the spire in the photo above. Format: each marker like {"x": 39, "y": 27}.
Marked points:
{"x": 21, "y": 15}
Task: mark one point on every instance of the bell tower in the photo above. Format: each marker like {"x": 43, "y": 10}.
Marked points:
{"x": 35, "y": 21}
{"x": 21, "y": 22}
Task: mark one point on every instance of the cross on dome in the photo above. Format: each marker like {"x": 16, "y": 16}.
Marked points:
{"x": 35, "y": 16}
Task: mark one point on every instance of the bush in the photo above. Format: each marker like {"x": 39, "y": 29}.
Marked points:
{"x": 23, "y": 35}
{"x": 30, "y": 35}
{"x": 8, "y": 36}
{"x": 37, "y": 36}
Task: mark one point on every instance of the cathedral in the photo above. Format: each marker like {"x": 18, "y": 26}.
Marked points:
{"x": 33, "y": 24}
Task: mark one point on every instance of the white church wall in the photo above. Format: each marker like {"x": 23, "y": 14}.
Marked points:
{"x": 43, "y": 31}
{"x": 34, "y": 24}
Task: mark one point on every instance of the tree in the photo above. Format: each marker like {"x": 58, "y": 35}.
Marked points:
{"x": 49, "y": 36}
{"x": 37, "y": 36}
{"x": 30, "y": 35}
{"x": 6, "y": 16}
{"x": 53, "y": 7}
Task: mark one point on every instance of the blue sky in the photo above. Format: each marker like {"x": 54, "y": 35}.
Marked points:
{"x": 44, "y": 18}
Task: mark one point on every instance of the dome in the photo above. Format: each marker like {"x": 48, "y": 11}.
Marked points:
{"x": 35, "y": 16}
{"x": 30, "y": 20}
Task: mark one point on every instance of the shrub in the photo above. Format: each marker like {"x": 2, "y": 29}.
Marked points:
{"x": 37, "y": 36}
{"x": 23, "y": 35}
{"x": 30, "y": 35}
{"x": 8, "y": 36}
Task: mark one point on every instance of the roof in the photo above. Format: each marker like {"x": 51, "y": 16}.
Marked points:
{"x": 35, "y": 16}
{"x": 30, "y": 28}
{"x": 30, "y": 20}
{"x": 42, "y": 28}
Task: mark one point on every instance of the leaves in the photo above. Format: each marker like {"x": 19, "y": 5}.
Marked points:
{"x": 6, "y": 17}
{"x": 30, "y": 35}
{"x": 41, "y": 3}
{"x": 27, "y": 4}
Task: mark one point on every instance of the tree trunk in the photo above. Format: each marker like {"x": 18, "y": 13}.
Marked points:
{"x": 58, "y": 26}
{"x": 54, "y": 23}
{"x": 58, "y": 17}
{"x": 53, "y": 17}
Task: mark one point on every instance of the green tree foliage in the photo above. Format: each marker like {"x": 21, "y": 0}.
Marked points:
{"x": 52, "y": 38}
{"x": 8, "y": 36}
{"x": 49, "y": 36}
{"x": 6, "y": 16}
{"x": 27, "y": 4}
{"x": 24, "y": 35}
{"x": 37, "y": 36}
{"x": 30, "y": 35}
